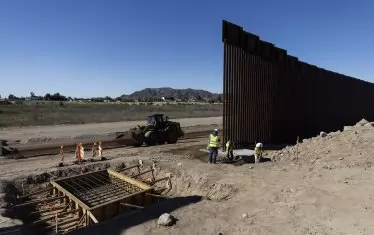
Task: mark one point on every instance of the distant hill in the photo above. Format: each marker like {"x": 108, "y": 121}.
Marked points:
{"x": 158, "y": 93}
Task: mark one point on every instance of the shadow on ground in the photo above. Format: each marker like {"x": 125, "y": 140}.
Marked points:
{"x": 119, "y": 224}
{"x": 14, "y": 230}
{"x": 21, "y": 213}
{"x": 245, "y": 159}
{"x": 251, "y": 159}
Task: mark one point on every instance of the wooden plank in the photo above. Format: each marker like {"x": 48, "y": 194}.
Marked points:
{"x": 156, "y": 195}
{"x": 158, "y": 180}
{"x": 122, "y": 198}
{"x": 54, "y": 216}
{"x": 47, "y": 210}
{"x": 128, "y": 168}
{"x": 129, "y": 180}
{"x": 92, "y": 217}
{"x": 160, "y": 190}
{"x": 39, "y": 201}
{"x": 36, "y": 192}
{"x": 67, "y": 212}
{"x": 71, "y": 196}
{"x": 81, "y": 219}
{"x": 131, "y": 205}
{"x": 67, "y": 206}
{"x": 73, "y": 219}
{"x": 142, "y": 173}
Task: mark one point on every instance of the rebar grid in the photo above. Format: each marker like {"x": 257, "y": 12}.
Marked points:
{"x": 98, "y": 188}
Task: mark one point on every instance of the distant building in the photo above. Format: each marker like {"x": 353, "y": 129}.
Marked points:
{"x": 170, "y": 98}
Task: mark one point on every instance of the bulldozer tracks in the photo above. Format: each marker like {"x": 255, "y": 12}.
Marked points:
{"x": 36, "y": 150}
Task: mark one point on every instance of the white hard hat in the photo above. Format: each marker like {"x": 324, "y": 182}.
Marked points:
{"x": 216, "y": 130}
{"x": 258, "y": 145}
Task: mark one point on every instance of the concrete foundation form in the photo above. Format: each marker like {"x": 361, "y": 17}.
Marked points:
{"x": 82, "y": 200}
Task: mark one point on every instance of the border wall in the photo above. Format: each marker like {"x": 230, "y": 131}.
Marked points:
{"x": 272, "y": 97}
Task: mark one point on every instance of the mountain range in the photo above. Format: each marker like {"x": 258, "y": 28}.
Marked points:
{"x": 152, "y": 93}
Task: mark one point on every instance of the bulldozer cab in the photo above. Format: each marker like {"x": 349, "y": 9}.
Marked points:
{"x": 157, "y": 121}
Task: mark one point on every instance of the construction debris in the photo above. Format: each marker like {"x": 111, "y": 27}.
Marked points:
{"x": 166, "y": 220}
{"x": 313, "y": 149}
{"x": 363, "y": 122}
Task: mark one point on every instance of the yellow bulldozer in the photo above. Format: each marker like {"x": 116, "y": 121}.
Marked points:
{"x": 158, "y": 130}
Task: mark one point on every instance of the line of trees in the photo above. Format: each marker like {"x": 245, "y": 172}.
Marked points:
{"x": 58, "y": 97}
{"x": 54, "y": 97}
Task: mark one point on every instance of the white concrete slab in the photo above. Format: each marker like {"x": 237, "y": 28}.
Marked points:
{"x": 237, "y": 152}
{"x": 243, "y": 152}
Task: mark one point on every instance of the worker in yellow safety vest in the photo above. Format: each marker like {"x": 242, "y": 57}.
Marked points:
{"x": 62, "y": 153}
{"x": 100, "y": 151}
{"x": 94, "y": 149}
{"x": 213, "y": 145}
{"x": 80, "y": 153}
{"x": 230, "y": 150}
{"x": 258, "y": 152}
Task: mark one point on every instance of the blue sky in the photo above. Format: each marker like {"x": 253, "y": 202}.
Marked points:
{"x": 96, "y": 47}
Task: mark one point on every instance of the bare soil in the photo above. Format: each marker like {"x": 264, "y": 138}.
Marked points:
{"x": 56, "y": 113}
{"x": 60, "y": 132}
{"x": 321, "y": 186}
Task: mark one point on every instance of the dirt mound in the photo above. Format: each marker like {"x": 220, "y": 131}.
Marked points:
{"x": 354, "y": 142}
{"x": 187, "y": 185}
{"x": 42, "y": 139}
{"x": 188, "y": 181}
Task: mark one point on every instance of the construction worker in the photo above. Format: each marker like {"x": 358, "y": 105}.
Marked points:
{"x": 80, "y": 153}
{"x": 258, "y": 152}
{"x": 62, "y": 153}
{"x": 100, "y": 151}
{"x": 94, "y": 149}
{"x": 230, "y": 150}
{"x": 76, "y": 150}
{"x": 213, "y": 145}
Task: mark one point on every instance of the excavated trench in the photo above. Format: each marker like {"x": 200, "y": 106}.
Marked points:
{"x": 11, "y": 190}
{"x": 187, "y": 188}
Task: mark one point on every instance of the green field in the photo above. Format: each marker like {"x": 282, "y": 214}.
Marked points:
{"x": 54, "y": 113}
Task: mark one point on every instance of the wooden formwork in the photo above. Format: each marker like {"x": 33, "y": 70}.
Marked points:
{"x": 78, "y": 201}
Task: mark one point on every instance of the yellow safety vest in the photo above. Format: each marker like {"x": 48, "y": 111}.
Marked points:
{"x": 229, "y": 145}
{"x": 213, "y": 141}
{"x": 100, "y": 150}
{"x": 82, "y": 152}
{"x": 258, "y": 151}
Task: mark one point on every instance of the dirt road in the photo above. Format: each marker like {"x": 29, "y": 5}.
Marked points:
{"x": 68, "y": 131}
